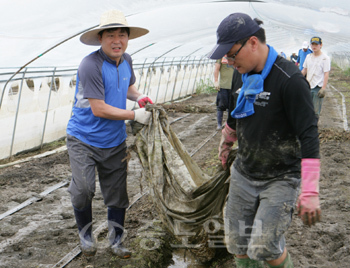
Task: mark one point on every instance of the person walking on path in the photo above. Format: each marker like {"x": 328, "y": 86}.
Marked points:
{"x": 303, "y": 52}
{"x": 222, "y": 81}
{"x": 272, "y": 118}
{"x": 96, "y": 132}
{"x": 294, "y": 57}
{"x": 316, "y": 68}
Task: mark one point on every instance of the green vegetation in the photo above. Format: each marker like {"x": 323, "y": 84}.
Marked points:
{"x": 347, "y": 72}
{"x": 205, "y": 87}
{"x": 338, "y": 72}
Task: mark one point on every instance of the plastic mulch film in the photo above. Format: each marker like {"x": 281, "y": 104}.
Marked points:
{"x": 190, "y": 202}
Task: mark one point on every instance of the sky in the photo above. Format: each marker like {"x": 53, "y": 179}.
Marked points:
{"x": 178, "y": 28}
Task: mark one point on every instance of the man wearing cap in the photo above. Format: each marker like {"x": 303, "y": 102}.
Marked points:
{"x": 96, "y": 132}
{"x": 316, "y": 68}
{"x": 303, "y": 52}
{"x": 271, "y": 116}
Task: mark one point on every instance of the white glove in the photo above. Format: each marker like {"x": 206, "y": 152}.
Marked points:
{"x": 217, "y": 85}
{"x": 142, "y": 116}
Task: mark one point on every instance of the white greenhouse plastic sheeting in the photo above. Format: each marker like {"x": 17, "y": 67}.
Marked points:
{"x": 29, "y": 28}
{"x": 44, "y": 36}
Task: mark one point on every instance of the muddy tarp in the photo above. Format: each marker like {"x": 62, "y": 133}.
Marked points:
{"x": 190, "y": 202}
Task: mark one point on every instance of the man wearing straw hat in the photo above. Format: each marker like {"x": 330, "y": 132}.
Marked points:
{"x": 96, "y": 132}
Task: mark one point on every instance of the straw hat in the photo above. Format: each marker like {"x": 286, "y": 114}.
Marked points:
{"x": 111, "y": 19}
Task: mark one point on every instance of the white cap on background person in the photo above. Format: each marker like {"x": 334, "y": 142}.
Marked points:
{"x": 305, "y": 45}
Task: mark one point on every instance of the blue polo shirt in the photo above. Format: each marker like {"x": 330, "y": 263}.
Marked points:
{"x": 99, "y": 77}
{"x": 302, "y": 56}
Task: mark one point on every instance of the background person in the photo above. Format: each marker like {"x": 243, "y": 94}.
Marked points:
{"x": 96, "y": 132}
{"x": 303, "y": 52}
{"x": 222, "y": 81}
{"x": 278, "y": 148}
{"x": 294, "y": 57}
{"x": 316, "y": 68}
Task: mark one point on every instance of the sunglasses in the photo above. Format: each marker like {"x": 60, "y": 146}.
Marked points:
{"x": 233, "y": 57}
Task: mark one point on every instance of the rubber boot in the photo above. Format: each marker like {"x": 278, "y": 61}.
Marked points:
{"x": 287, "y": 263}
{"x": 248, "y": 263}
{"x": 116, "y": 218}
{"x": 83, "y": 218}
{"x": 219, "y": 116}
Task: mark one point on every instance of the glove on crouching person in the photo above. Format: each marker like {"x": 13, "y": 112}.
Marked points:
{"x": 308, "y": 203}
{"x": 228, "y": 138}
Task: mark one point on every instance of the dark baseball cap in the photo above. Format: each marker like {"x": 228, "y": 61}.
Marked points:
{"x": 233, "y": 28}
{"x": 316, "y": 40}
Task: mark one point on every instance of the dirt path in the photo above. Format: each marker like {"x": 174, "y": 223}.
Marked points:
{"x": 44, "y": 232}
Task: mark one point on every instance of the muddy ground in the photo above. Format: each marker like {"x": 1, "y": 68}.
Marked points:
{"x": 44, "y": 234}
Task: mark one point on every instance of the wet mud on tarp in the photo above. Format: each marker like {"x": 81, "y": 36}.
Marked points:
{"x": 188, "y": 200}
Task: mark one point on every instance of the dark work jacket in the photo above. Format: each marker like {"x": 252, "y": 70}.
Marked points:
{"x": 283, "y": 129}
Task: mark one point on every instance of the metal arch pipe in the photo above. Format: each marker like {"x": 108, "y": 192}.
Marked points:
{"x": 47, "y": 107}
{"x": 160, "y": 79}
{"x": 206, "y": 68}
{"x": 137, "y": 51}
{"x": 17, "y": 110}
{"x": 167, "y": 84}
{"x": 189, "y": 80}
{"x": 37, "y": 57}
{"x": 183, "y": 78}
{"x": 143, "y": 65}
{"x": 177, "y": 72}
{"x": 194, "y": 83}
{"x": 49, "y": 49}
{"x": 152, "y": 64}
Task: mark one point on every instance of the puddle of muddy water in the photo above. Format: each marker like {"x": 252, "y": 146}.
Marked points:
{"x": 184, "y": 259}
